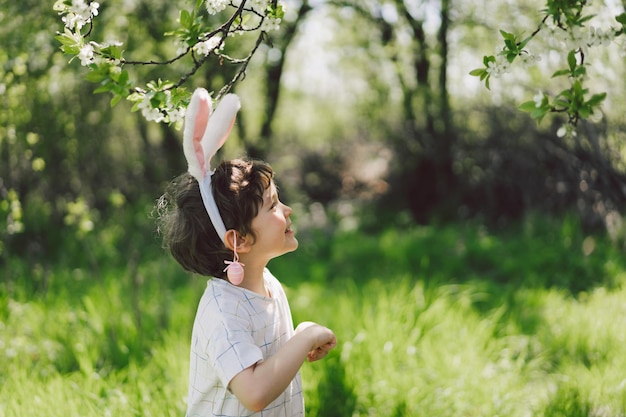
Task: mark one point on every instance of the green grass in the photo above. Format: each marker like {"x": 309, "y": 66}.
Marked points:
{"x": 432, "y": 321}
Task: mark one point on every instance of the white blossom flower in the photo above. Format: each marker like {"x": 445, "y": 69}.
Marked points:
{"x": 108, "y": 43}
{"x": 149, "y": 112}
{"x": 152, "y": 114}
{"x": 270, "y": 23}
{"x": 86, "y": 55}
{"x": 600, "y": 37}
{"x": 78, "y": 14}
{"x": 576, "y": 39}
{"x": 93, "y": 8}
{"x": 503, "y": 64}
{"x": 181, "y": 46}
{"x": 167, "y": 113}
{"x": 205, "y": 48}
{"x": 499, "y": 67}
{"x": 216, "y": 6}
{"x": 71, "y": 20}
{"x": 528, "y": 59}
{"x": 175, "y": 115}
{"x": 566, "y": 130}
{"x": 202, "y": 48}
{"x": 259, "y": 6}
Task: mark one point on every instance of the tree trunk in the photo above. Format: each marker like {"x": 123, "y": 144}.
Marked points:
{"x": 273, "y": 76}
{"x": 431, "y": 180}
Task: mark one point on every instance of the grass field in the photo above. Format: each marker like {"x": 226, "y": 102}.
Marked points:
{"x": 432, "y": 321}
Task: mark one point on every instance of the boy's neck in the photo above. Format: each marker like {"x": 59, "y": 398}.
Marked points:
{"x": 253, "y": 280}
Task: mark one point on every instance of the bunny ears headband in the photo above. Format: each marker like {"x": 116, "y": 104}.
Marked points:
{"x": 204, "y": 134}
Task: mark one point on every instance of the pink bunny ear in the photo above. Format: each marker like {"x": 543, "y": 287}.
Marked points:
{"x": 196, "y": 123}
{"x": 219, "y": 126}
{"x": 204, "y": 135}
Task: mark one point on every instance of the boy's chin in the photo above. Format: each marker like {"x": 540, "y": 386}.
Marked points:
{"x": 287, "y": 249}
{"x": 294, "y": 246}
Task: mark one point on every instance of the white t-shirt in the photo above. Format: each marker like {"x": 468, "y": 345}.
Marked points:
{"x": 235, "y": 328}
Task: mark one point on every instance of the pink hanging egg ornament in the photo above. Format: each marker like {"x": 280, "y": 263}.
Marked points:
{"x": 234, "y": 272}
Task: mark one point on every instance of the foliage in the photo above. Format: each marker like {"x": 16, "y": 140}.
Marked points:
{"x": 566, "y": 23}
{"x": 163, "y": 100}
{"x": 70, "y": 162}
{"x": 447, "y": 321}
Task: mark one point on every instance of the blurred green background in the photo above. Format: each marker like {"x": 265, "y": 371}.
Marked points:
{"x": 470, "y": 261}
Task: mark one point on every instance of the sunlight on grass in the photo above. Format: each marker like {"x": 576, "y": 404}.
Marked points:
{"x": 431, "y": 322}
{"x": 416, "y": 352}
{"x": 420, "y": 353}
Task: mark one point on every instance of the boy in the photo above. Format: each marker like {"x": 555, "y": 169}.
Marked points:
{"x": 245, "y": 354}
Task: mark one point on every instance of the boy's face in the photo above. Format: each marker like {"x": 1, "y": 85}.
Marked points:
{"x": 272, "y": 227}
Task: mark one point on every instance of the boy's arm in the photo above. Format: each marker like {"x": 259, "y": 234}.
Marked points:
{"x": 260, "y": 384}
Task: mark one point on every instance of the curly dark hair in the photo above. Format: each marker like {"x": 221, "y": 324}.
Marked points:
{"x": 238, "y": 186}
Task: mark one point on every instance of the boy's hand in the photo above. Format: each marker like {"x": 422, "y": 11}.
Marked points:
{"x": 323, "y": 339}
{"x": 260, "y": 384}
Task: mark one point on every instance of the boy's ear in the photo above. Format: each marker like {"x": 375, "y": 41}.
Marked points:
{"x": 243, "y": 242}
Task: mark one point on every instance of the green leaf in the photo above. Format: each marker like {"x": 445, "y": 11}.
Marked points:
{"x": 580, "y": 71}
{"x": 577, "y": 88}
{"x": 584, "y": 112}
{"x": 539, "y": 114}
{"x": 586, "y": 18}
{"x": 571, "y": 60}
{"x": 528, "y": 106}
{"x": 621, "y": 18}
{"x": 112, "y": 51}
{"x": 116, "y": 99}
{"x": 523, "y": 43}
{"x": 96, "y": 76}
{"x": 596, "y": 99}
{"x": 280, "y": 11}
{"x": 104, "y": 88}
{"x": 568, "y": 94}
{"x": 561, "y": 103}
{"x": 276, "y": 12}
{"x": 185, "y": 19}
{"x": 478, "y": 72}
{"x": 560, "y": 72}
{"x": 70, "y": 44}
{"x": 507, "y": 35}
{"x": 70, "y": 50}
{"x": 123, "y": 78}
{"x": 64, "y": 39}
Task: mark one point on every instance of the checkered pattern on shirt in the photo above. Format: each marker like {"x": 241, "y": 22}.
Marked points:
{"x": 235, "y": 328}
